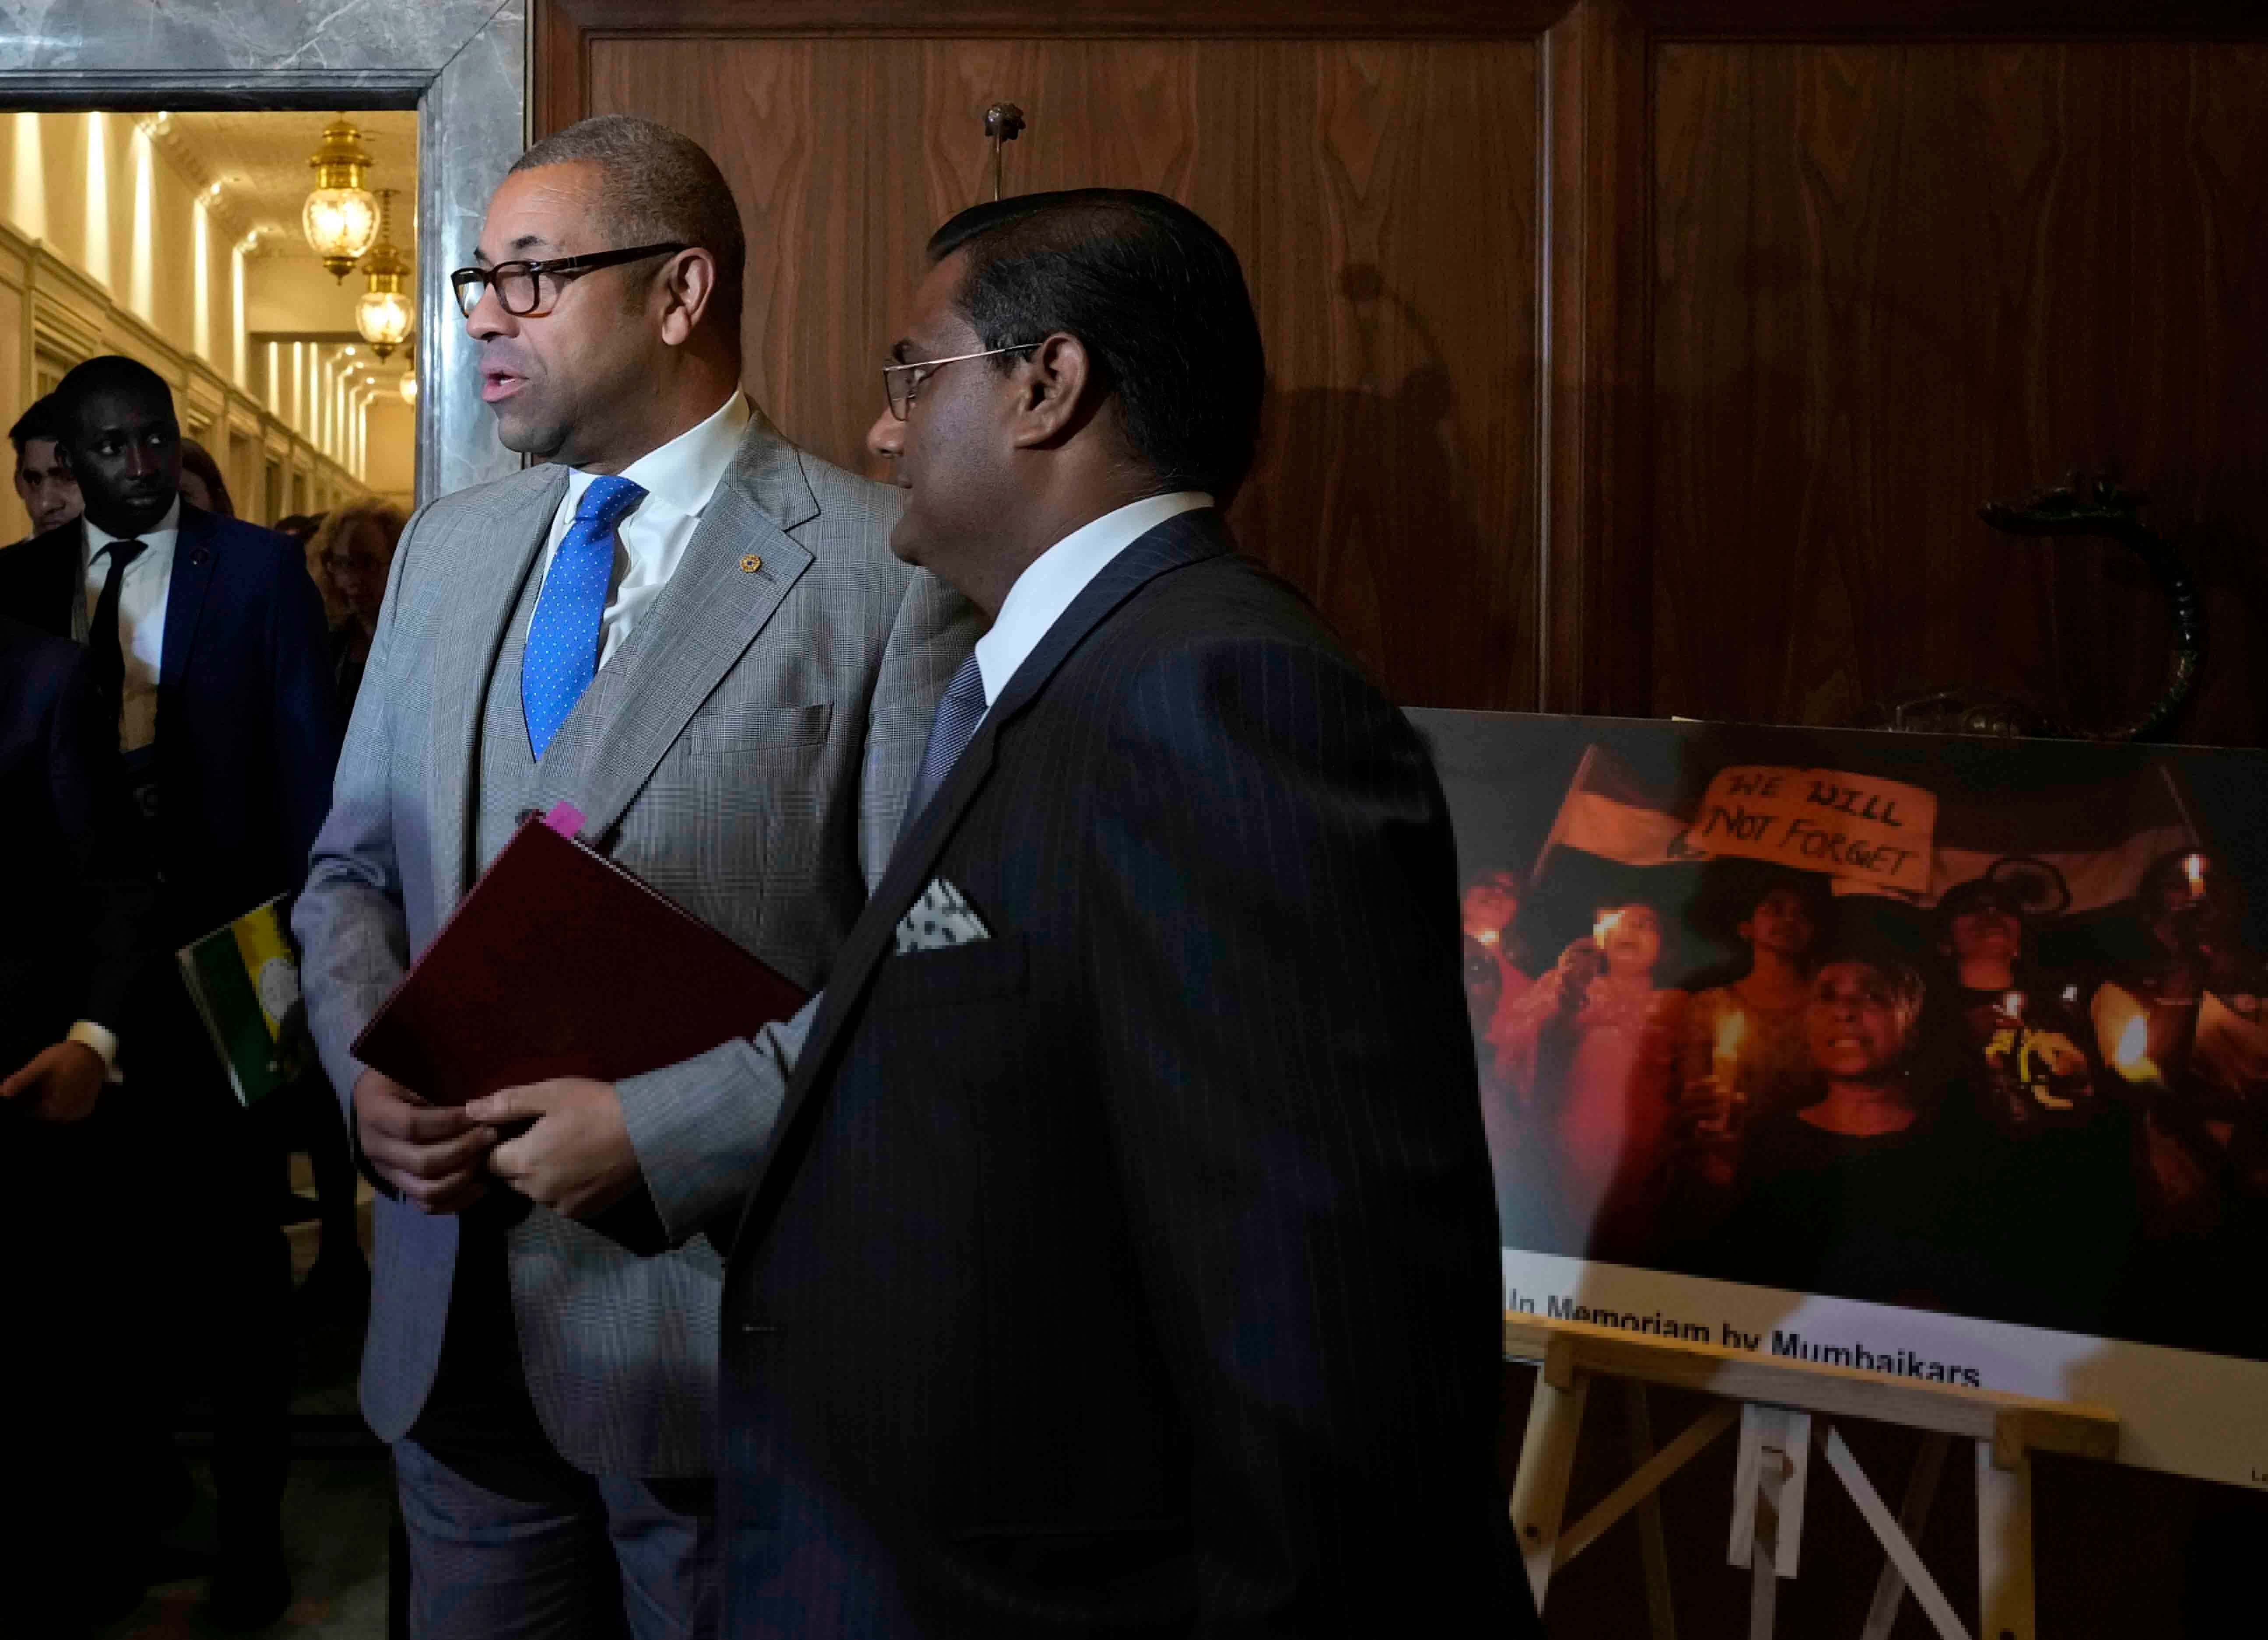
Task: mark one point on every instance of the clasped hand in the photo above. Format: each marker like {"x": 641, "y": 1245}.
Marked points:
{"x": 573, "y": 1154}
{"x": 60, "y": 1084}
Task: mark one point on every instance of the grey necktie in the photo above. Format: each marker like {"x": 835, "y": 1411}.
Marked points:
{"x": 958, "y": 713}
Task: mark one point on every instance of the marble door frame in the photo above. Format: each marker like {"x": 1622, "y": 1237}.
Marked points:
{"x": 463, "y": 64}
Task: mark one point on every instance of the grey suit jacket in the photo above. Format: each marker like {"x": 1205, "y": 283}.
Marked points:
{"x": 748, "y": 752}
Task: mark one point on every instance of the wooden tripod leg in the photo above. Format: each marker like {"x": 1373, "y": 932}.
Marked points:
{"x": 1764, "y": 1595}
{"x": 1913, "y": 1515}
{"x": 1653, "y": 1546}
{"x": 1926, "y": 1594}
{"x": 1769, "y": 1478}
{"x": 1547, "y": 1459}
{"x": 2004, "y": 1545}
{"x": 1769, "y": 1482}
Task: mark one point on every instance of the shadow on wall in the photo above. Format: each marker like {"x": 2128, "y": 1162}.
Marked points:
{"x": 1362, "y": 499}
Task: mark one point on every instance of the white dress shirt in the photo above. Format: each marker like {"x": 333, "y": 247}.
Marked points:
{"x": 1059, "y": 575}
{"x": 140, "y": 618}
{"x": 679, "y": 478}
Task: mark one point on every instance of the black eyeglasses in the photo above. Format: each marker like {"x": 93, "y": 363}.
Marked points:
{"x": 520, "y": 288}
{"x": 900, "y": 382}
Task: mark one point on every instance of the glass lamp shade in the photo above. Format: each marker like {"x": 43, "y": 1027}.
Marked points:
{"x": 410, "y": 388}
{"x": 340, "y": 223}
{"x": 383, "y": 317}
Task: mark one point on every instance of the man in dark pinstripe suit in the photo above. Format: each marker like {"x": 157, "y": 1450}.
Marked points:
{"x": 1124, "y": 1261}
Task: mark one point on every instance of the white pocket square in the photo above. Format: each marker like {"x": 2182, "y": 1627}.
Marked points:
{"x": 940, "y": 918}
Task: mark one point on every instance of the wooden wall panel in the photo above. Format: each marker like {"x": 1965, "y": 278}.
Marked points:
{"x": 1381, "y": 193}
{"x": 1895, "y": 281}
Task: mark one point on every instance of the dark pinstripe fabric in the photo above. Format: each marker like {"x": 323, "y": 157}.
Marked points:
{"x": 1134, "y": 1272}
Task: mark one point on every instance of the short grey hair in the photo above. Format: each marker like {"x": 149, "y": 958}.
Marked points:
{"x": 660, "y": 185}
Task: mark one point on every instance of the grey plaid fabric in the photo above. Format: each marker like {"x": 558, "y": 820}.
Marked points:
{"x": 748, "y": 752}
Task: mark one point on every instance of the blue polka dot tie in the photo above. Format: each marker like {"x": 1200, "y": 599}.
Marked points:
{"x": 958, "y": 713}
{"x": 563, "y": 639}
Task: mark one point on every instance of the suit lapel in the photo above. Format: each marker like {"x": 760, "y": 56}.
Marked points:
{"x": 1190, "y": 538}
{"x": 479, "y": 587}
{"x": 697, "y": 629}
{"x": 61, "y": 574}
{"x": 196, "y": 560}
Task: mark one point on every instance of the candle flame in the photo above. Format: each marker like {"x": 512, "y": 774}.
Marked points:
{"x": 2014, "y": 1004}
{"x": 2133, "y": 1045}
{"x": 1604, "y": 926}
{"x": 2194, "y": 866}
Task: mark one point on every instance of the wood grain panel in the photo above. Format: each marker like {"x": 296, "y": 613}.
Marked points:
{"x": 1892, "y": 282}
{"x": 1596, "y": 650}
{"x": 1382, "y": 194}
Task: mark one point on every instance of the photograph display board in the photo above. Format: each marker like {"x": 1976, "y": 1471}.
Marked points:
{"x": 1931, "y": 1056}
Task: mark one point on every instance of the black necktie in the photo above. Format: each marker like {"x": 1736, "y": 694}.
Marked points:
{"x": 102, "y": 637}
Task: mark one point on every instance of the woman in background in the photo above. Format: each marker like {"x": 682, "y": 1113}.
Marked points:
{"x": 202, "y": 485}
{"x": 1870, "y": 1190}
{"x": 353, "y": 551}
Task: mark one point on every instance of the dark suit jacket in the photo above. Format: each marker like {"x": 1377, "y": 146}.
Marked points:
{"x": 79, "y": 940}
{"x": 248, "y": 721}
{"x": 1134, "y": 1271}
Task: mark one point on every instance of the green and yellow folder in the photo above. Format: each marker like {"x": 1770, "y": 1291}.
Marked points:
{"x": 245, "y": 980}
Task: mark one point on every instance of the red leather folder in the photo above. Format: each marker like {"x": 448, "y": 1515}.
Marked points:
{"x": 560, "y": 963}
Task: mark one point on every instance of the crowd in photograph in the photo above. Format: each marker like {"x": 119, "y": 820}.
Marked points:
{"x": 1889, "y": 1103}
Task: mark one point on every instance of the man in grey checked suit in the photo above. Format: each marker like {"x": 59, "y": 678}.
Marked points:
{"x": 697, "y": 635}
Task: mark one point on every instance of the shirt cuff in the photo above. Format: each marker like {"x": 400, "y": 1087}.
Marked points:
{"x": 100, "y": 1038}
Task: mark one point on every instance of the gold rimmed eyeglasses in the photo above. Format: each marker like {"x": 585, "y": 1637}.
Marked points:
{"x": 902, "y": 381}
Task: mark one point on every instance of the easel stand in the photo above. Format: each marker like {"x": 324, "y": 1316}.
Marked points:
{"x": 1775, "y": 1400}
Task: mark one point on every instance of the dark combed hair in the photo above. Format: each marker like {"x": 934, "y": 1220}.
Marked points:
{"x": 1153, "y": 294}
{"x": 660, "y": 185}
{"x": 43, "y": 420}
{"x": 112, "y": 372}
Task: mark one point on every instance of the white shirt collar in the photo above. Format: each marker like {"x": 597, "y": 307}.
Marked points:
{"x": 681, "y": 476}
{"x": 98, "y": 540}
{"x": 1051, "y": 581}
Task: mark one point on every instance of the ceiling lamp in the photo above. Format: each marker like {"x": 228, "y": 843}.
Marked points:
{"x": 340, "y": 217}
{"x": 383, "y": 315}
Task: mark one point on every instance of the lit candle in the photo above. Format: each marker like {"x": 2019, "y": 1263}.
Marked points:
{"x": 2194, "y": 867}
{"x": 2131, "y": 1059}
{"x": 1731, "y": 1031}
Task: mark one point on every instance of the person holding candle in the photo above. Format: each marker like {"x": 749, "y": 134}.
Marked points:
{"x": 2181, "y": 1029}
{"x": 1872, "y": 1188}
{"x": 1597, "y": 1039}
{"x": 2186, "y": 1028}
{"x": 2061, "y": 1169}
{"x": 1740, "y": 1052}
{"x": 1495, "y": 981}
{"x": 1491, "y": 906}
{"x": 2023, "y": 1029}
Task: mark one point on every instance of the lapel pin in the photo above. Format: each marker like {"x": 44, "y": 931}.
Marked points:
{"x": 750, "y": 564}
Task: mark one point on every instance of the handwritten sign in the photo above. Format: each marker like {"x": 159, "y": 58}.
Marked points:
{"x": 1875, "y": 832}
